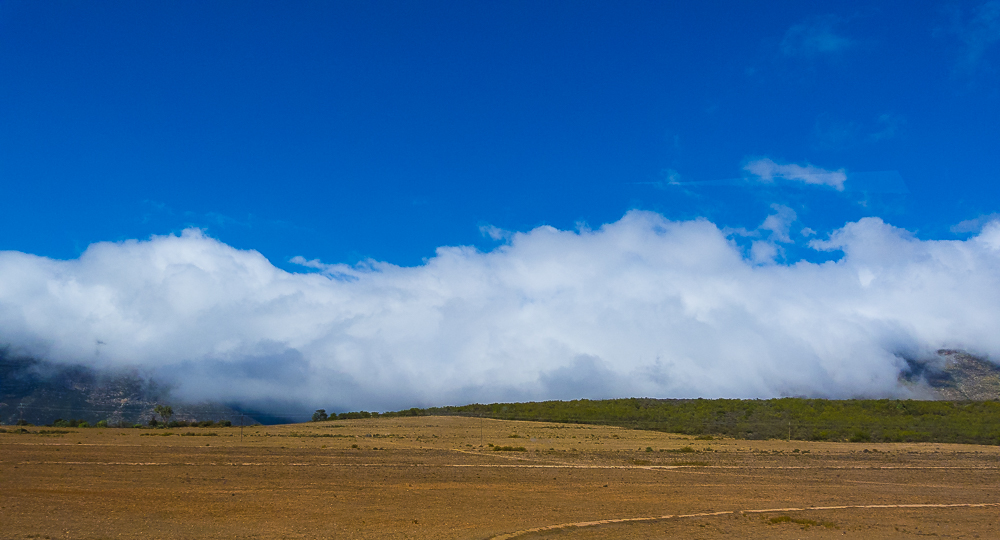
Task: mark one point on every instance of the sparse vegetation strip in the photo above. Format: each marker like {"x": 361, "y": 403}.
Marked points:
{"x": 883, "y": 420}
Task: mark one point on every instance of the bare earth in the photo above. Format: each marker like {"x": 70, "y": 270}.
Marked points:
{"x": 437, "y": 477}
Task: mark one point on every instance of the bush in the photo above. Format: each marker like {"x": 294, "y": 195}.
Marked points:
{"x": 319, "y": 415}
{"x": 861, "y": 436}
{"x": 83, "y": 424}
{"x": 101, "y": 423}
{"x": 225, "y": 423}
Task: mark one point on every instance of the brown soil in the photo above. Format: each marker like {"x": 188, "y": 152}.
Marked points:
{"x": 436, "y": 477}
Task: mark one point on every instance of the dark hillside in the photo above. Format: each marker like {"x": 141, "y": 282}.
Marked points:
{"x": 41, "y": 392}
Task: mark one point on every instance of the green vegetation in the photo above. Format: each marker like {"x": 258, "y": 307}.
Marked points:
{"x": 165, "y": 412}
{"x": 862, "y": 420}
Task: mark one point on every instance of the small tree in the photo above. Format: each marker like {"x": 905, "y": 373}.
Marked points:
{"x": 319, "y": 415}
{"x": 165, "y": 412}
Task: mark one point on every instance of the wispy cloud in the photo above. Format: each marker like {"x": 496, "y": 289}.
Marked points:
{"x": 780, "y": 223}
{"x": 815, "y": 36}
{"x": 978, "y": 33}
{"x": 768, "y": 170}
{"x": 887, "y": 126}
{"x": 976, "y": 224}
{"x": 641, "y": 307}
{"x": 840, "y": 134}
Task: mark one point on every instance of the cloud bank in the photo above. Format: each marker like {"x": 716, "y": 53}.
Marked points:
{"x": 644, "y": 306}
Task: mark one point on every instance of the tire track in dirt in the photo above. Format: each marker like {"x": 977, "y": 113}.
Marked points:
{"x": 596, "y": 523}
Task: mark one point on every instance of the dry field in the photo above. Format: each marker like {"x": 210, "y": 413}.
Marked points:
{"x": 437, "y": 477}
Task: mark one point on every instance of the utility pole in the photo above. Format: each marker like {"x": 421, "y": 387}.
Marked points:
{"x": 241, "y": 429}
{"x": 480, "y": 431}
{"x": 20, "y": 410}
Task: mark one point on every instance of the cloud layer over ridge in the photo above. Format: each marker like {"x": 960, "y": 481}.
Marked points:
{"x": 640, "y": 307}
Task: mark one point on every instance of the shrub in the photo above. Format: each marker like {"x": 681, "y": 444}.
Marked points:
{"x": 861, "y": 436}
{"x": 83, "y": 424}
{"x": 225, "y": 423}
{"x": 101, "y": 423}
{"x": 510, "y": 448}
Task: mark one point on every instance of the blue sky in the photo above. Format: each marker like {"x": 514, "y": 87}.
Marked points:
{"x": 381, "y": 205}
{"x": 351, "y": 130}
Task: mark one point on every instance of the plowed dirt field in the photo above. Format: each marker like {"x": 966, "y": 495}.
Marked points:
{"x": 440, "y": 478}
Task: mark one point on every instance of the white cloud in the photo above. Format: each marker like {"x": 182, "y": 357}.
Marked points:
{"x": 762, "y": 252}
{"x": 779, "y": 223}
{"x": 494, "y": 233}
{"x": 640, "y": 307}
{"x": 768, "y": 170}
